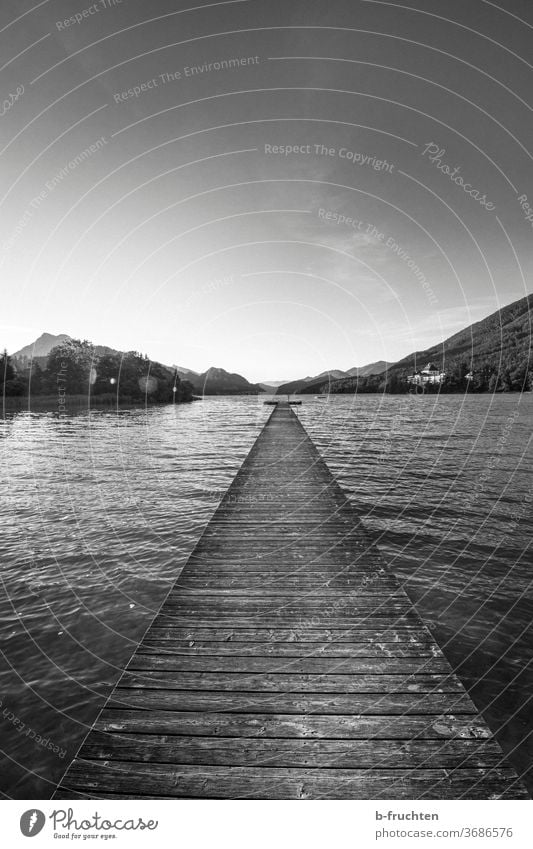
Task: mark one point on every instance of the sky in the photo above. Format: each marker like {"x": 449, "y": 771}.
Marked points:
{"x": 273, "y": 188}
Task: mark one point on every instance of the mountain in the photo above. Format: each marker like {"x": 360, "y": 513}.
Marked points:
{"x": 270, "y": 386}
{"x": 334, "y": 374}
{"x": 306, "y": 383}
{"x": 41, "y": 347}
{"x": 36, "y": 353}
{"x": 371, "y": 368}
{"x": 186, "y": 373}
{"x": 496, "y": 344}
{"x": 318, "y": 383}
{"x": 217, "y": 381}
{"x": 497, "y": 351}
{"x": 47, "y": 341}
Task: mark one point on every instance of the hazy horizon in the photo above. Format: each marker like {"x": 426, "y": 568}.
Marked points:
{"x": 242, "y": 370}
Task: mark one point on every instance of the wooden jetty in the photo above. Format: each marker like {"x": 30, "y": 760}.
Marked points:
{"x": 287, "y": 663}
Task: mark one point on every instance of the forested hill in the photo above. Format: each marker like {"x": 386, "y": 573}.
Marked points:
{"x": 497, "y": 350}
{"x": 217, "y": 381}
{"x": 77, "y": 369}
{"x": 32, "y": 369}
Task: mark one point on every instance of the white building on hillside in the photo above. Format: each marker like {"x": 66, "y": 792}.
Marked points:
{"x": 428, "y": 375}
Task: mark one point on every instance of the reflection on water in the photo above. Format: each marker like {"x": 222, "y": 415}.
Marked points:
{"x": 100, "y": 512}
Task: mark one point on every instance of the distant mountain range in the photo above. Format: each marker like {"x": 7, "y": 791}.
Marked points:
{"x": 217, "y": 381}
{"x": 214, "y": 381}
{"x": 496, "y": 351}
{"x": 320, "y": 382}
{"x": 269, "y": 385}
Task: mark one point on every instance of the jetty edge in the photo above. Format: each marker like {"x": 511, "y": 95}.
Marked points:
{"x": 288, "y": 663}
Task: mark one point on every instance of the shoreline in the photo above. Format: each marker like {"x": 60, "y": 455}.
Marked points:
{"x": 50, "y": 403}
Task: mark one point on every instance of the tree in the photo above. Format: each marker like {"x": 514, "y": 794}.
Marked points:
{"x": 519, "y": 378}
{"x": 70, "y": 365}
{"x": 12, "y": 383}
{"x": 507, "y": 382}
{"x": 134, "y": 378}
{"x": 107, "y": 371}
{"x": 494, "y": 383}
{"x": 7, "y": 371}
{"x": 185, "y": 390}
{"x": 36, "y": 379}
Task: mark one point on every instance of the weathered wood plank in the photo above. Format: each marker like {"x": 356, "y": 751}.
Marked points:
{"x": 276, "y": 582}
{"x": 170, "y": 781}
{"x": 241, "y": 751}
{"x": 318, "y": 667}
{"x": 289, "y": 619}
{"x": 272, "y": 595}
{"x": 290, "y": 607}
{"x": 286, "y": 558}
{"x": 199, "y": 648}
{"x": 370, "y": 704}
{"x": 326, "y": 726}
{"x": 396, "y": 634}
{"x": 157, "y": 677}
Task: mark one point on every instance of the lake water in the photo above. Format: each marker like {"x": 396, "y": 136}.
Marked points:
{"x": 100, "y": 512}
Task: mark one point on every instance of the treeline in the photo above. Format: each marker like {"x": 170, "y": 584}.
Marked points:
{"x": 73, "y": 368}
{"x": 485, "y": 378}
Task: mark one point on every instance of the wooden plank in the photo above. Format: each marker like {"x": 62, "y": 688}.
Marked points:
{"x": 73, "y": 794}
{"x": 289, "y": 619}
{"x": 201, "y": 648}
{"x": 297, "y": 542}
{"x": 349, "y": 573}
{"x": 370, "y": 597}
{"x": 286, "y": 558}
{"x": 346, "y": 574}
{"x": 241, "y": 751}
{"x": 370, "y": 704}
{"x": 170, "y": 781}
{"x": 272, "y": 583}
{"x": 256, "y": 607}
{"x": 288, "y": 663}
{"x": 396, "y": 634}
{"x": 371, "y": 594}
{"x": 293, "y": 725}
{"x": 318, "y": 667}
{"x": 157, "y": 678}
